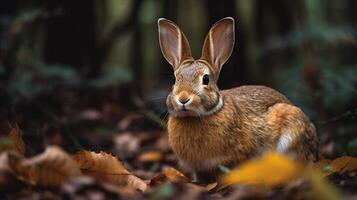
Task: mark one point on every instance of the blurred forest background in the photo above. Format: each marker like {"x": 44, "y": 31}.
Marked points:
{"x": 93, "y": 68}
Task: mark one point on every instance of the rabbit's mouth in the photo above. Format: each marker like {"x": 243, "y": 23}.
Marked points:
{"x": 185, "y": 112}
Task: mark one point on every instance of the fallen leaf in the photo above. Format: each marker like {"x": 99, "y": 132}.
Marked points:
{"x": 162, "y": 143}
{"x": 52, "y": 168}
{"x": 342, "y": 164}
{"x": 352, "y": 174}
{"x": 21, "y": 168}
{"x": 127, "y": 121}
{"x": 15, "y": 142}
{"x": 275, "y": 170}
{"x": 150, "y": 156}
{"x": 169, "y": 175}
{"x": 351, "y": 165}
{"x": 127, "y": 145}
{"x": 108, "y": 168}
{"x": 5, "y": 171}
{"x": 90, "y": 115}
{"x": 211, "y": 186}
{"x": 271, "y": 170}
{"x": 323, "y": 167}
{"x": 320, "y": 187}
{"x": 16, "y": 137}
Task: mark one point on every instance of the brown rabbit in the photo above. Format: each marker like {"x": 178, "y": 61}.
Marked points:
{"x": 208, "y": 127}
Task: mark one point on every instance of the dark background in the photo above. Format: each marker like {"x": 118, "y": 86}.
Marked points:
{"x": 74, "y": 73}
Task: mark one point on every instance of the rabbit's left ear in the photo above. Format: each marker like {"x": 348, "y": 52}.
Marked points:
{"x": 219, "y": 43}
{"x": 173, "y": 42}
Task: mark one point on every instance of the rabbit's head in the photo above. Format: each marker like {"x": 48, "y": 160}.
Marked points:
{"x": 195, "y": 92}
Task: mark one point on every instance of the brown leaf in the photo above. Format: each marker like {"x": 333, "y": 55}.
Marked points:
{"x": 169, "y": 175}
{"x": 211, "y": 186}
{"x": 52, "y": 168}
{"x": 5, "y": 171}
{"x": 16, "y": 137}
{"x": 351, "y": 166}
{"x": 323, "y": 167}
{"x": 127, "y": 121}
{"x": 151, "y": 156}
{"x": 342, "y": 164}
{"x": 127, "y": 145}
{"x": 16, "y": 142}
{"x": 108, "y": 168}
{"x": 22, "y": 169}
{"x": 90, "y": 115}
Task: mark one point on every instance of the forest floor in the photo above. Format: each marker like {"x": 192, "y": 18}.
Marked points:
{"x": 37, "y": 162}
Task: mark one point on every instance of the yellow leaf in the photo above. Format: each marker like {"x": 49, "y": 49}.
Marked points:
{"x": 271, "y": 170}
{"x": 52, "y": 168}
{"x": 320, "y": 187}
{"x": 108, "y": 168}
{"x": 275, "y": 170}
{"x": 150, "y": 156}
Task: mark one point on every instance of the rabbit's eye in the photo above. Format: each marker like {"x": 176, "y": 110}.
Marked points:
{"x": 205, "y": 79}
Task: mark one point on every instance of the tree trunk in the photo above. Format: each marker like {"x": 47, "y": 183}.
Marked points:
{"x": 71, "y": 35}
{"x": 234, "y": 71}
{"x": 272, "y": 20}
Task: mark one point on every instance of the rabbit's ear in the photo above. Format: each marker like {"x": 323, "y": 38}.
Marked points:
{"x": 219, "y": 43}
{"x": 173, "y": 43}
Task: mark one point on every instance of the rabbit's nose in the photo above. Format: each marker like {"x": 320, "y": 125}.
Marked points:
{"x": 184, "y": 101}
{"x": 183, "y": 97}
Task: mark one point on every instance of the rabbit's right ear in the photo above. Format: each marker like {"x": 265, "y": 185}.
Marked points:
{"x": 219, "y": 42}
{"x": 173, "y": 43}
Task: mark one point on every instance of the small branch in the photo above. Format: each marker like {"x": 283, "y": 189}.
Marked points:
{"x": 352, "y": 113}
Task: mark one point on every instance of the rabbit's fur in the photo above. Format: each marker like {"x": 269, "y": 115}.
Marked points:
{"x": 208, "y": 127}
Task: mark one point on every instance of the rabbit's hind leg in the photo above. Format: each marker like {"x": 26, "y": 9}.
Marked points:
{"x": 293, "y": 132}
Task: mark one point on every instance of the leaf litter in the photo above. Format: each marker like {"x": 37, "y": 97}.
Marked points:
{"x": 151, "y": 171}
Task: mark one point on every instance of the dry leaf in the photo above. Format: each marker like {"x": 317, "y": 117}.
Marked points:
{"x": 5, "y": 171}
{"x": 211, "y": 186}
{"x": 150, "y": 156}
{"x": 169, "y": 175}
{"x": 342, "y": 164}
{"x": 351, "y": 166}
{"x": 127, "y": 145}
{"x": 323, "y": 167}
{"x": 271, "y": 170}
{"x": 108, "y": 168}
{"x": 52, "y": 168}
{"x": 16, "y": 142}
{"x": 22, "y": 169}
{"x": 127, "y": 121}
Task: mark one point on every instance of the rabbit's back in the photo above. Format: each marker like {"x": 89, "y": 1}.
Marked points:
{"x": 255, "y": 98}
{"x": 273, "y": 121}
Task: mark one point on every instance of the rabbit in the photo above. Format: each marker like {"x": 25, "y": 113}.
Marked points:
{"x": 207, "y": 127}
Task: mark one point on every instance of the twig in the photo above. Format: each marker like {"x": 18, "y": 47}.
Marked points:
{"x": 352, "y": 113}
